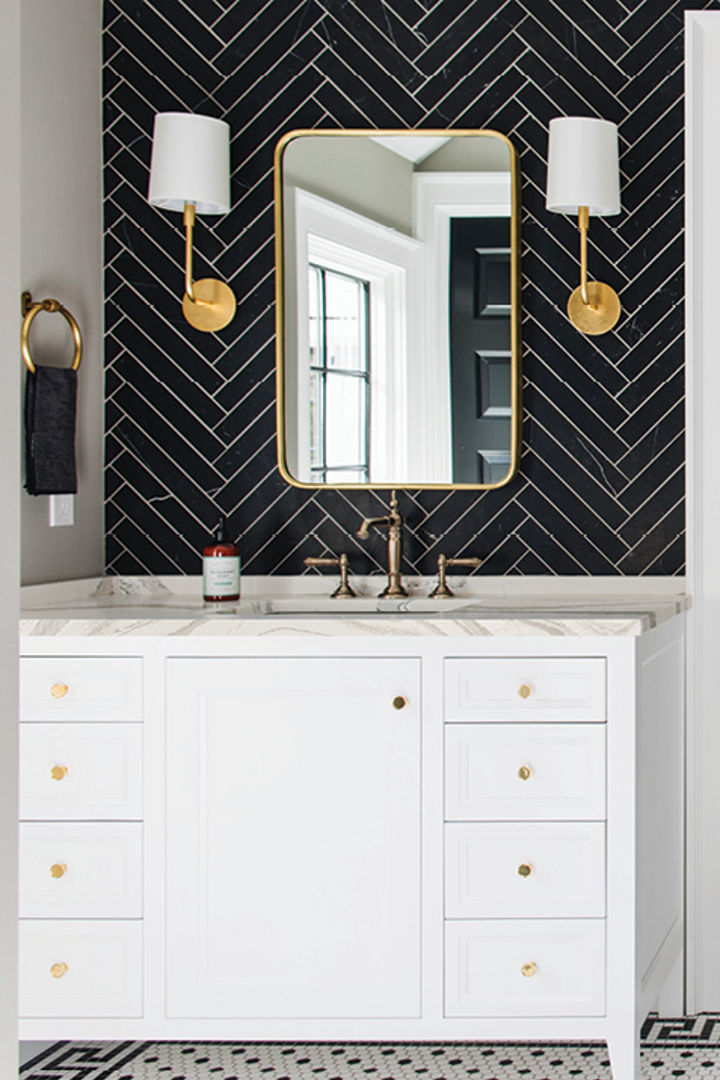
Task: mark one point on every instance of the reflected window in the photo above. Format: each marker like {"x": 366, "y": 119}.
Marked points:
{"x": 339, "y": 343}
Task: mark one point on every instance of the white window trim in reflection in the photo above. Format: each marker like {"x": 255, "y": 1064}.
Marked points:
{"x": 437, "y": 198}
{"x": 342, "y": 240}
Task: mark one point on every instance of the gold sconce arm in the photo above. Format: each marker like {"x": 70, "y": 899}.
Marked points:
{"x": 583, "y": 223}
{"x": 208, "y": 304}
{"x": 189, "y": 223}
{"x": 593, "y": 308}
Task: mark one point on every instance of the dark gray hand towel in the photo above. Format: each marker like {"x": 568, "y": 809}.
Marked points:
{"x": 50, "y": 408}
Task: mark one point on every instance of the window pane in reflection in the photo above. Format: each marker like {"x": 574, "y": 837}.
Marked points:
{"x": 345, "y": 322}
{"x": 339, "y": 376}
{"x": 346, "y": 420}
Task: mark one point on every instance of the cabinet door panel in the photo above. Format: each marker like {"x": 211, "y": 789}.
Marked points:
{"x": 293, "y": 838}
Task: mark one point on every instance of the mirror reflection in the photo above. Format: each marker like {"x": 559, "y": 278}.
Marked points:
{"x": 398, "y": 308}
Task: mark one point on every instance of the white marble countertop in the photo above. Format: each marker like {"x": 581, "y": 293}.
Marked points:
{"x": 482, "y": 607}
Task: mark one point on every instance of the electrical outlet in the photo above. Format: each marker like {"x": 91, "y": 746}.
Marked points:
{"x": 62, "y": 510}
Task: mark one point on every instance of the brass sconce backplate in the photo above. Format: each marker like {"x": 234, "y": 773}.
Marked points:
{"x": 213, "y": 306}
{"x": 601, "y": 311}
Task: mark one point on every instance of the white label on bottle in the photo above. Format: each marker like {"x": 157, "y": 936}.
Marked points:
{"x": 221, "y": 575}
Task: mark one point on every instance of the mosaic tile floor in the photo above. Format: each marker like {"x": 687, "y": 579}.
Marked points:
{"x": 671, "y": 1048}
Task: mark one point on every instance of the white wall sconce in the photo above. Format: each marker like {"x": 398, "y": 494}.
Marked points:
{"x": 190, "y": 171}
{"x": 583, "y": 178}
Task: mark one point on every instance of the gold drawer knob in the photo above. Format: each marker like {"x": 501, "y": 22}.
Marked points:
{"x": 524, "y": 691}
{"x": 58, "y": 970}
{"x": 529, "y": 969}
{"x": 399, "y": 702}
{"x": 58, "y": 869}
{"x": 59, "y": 772}
{"x": 524, "y": 772}
{"x": 525, "y": 869}
{"x": 59, "y": 689}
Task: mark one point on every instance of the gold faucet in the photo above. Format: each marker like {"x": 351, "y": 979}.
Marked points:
{"x": 394, "y": 522}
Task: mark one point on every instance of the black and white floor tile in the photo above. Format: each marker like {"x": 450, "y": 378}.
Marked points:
{"x": 688, "y": 1048}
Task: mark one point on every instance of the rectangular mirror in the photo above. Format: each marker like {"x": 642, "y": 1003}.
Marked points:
{"x": 398, "y": 311}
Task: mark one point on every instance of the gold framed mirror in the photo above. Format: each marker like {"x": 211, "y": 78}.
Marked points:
{"x": 398, "y": 308}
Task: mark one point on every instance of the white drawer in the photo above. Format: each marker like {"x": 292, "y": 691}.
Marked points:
{"x": 525, "y": 870}
{"x": 485, "y": 960}
{"x": 99, "y": 966}
{"x": 525, "y": 689}
{"x": 80, "y": 688}
{"x": 525, "y": 771}
{"x": 80, "y": 771}
{"x": 80, "y": 870}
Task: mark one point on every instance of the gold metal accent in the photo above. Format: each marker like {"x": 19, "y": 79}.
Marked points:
{"x": 524, "y": 691}
{"x": 593, "y": 308}
{"x": 442, "y": 589}
{"x": 29, "y": 309}
{"x": 59, "y": 689}
{"x": 525, "y": 869}
{"x": 58, "y": 869}
{"x": 524, "y": 772}
{"x": 343, "y": 589}
{"x": 529, "y": 969}
{"x": 399, "y": 702}
{"x": 394, "y": 521}
{"x": 515, "y": 361}
{"x": 208, "y": 304}
{"x": 58, "y": 970}
{"x": 59, "y": 772}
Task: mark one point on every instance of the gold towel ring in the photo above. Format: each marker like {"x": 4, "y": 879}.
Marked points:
{"x": 30, "y": 310}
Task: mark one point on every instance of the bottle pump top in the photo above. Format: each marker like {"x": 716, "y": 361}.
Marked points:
{"x": 221, "y": 531}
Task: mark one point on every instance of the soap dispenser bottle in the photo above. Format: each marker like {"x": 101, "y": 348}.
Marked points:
{"x": 221, "y": 568}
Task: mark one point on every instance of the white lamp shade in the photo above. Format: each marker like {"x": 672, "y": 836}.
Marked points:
{"x": 190, "y": 163}
{"x": 583, "y": 166}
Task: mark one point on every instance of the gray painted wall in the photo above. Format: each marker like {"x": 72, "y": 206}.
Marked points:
{"x": 9, "y": 441}
{"x": 61, "y": 255}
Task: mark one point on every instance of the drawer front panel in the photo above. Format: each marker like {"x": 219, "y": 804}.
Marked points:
{"x": 525, "y": 771}
{"x": 525, "y": 870}
{"x": 81, "y": 870}
{"x": 80, "y": 688}
{"x": 534, "y": 689}
{"x": 563, "y": 961}
{"x": 80, "y": 969}
{"x": 80, "y": 771}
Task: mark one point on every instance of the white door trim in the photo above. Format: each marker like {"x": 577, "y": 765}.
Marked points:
{"x": 703, "y": 508}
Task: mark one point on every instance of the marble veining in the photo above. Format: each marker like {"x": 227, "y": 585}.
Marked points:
{"x": 121, "y": 607}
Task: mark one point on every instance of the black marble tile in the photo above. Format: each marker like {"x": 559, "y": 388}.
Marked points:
{"x": 191, "y": 416}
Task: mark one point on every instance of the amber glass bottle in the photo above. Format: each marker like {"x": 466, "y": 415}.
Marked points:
{"x": 221, "y": 568}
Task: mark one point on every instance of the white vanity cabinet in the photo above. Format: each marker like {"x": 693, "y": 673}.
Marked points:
{"x": 385, "y": 829}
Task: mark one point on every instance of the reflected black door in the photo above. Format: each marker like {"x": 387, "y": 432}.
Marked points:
{"x": 480, "y": 349}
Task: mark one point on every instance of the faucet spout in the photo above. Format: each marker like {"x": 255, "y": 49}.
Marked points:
{"x": 369, "y": 523}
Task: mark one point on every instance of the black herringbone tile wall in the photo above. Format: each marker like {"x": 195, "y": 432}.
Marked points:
{"x": 190, "y": 416}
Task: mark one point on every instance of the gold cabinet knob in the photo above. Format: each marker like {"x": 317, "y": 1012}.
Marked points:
{"x": 58, "y": 970}
{"x": 524, "y": 772}
{"x": 399, "y": 702}
{"x": 524, "y": 691}
{"x": 529, "y": 969}
{"x": 59, "y": 689}
{"x": 58, "y": 869}
{"x": 525, "y": 869}
{"x": 59, "y": 772}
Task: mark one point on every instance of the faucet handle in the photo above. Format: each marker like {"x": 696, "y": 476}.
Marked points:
{"x": 343, "y": 562}
{"x": 442, "y": 590}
